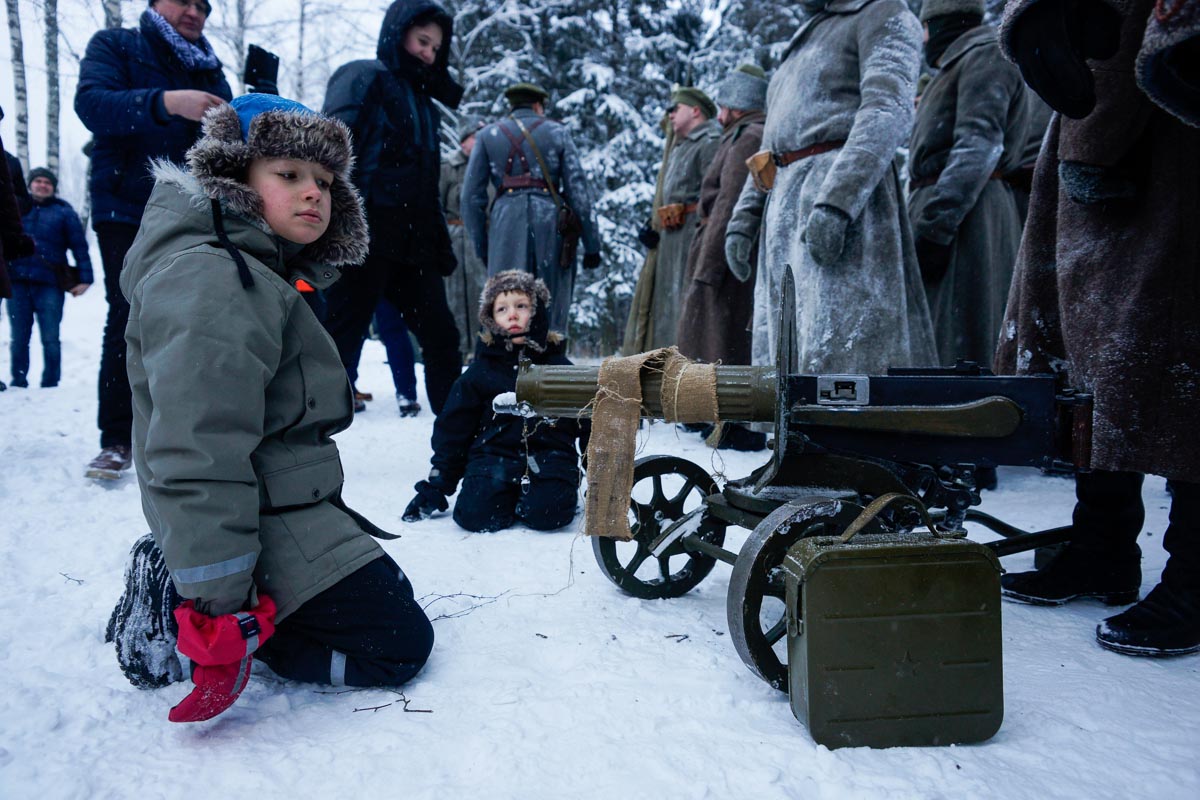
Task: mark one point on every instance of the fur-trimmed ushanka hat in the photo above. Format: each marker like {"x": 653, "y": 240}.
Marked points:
{"x": 514, "y": 280}
{"x": 268, "y": 126}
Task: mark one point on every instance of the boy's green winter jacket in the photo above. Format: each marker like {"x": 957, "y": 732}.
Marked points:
{"x": 236, "y": 393}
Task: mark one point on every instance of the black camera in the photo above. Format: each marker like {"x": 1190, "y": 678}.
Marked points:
{"x": 262, "y": 71}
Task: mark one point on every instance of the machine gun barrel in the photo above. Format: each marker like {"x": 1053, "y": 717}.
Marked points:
{"x": 745, "y": 394}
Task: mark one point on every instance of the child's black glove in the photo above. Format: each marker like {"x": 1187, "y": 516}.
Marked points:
{"x": 429, "y": 501}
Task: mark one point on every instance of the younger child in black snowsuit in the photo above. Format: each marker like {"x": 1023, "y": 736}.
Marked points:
{"x": 511, "y": 468}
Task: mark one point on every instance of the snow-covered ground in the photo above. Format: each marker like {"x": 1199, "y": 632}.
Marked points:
{"x": 545, "y": 682}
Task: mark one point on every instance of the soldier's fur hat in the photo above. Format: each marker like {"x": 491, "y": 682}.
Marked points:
{"x": 942, "y": 8}
{"x": 268, "y": 126}
{"x": 515, "y": 280}
{"x": 744, "y": 89}
{"x": 466, "y": 126}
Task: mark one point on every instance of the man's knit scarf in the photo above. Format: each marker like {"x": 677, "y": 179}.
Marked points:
{"x": 195, "y": 56}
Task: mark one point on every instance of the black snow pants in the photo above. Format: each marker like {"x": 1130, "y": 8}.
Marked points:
{"x": 492, "y": 498}
{"x": 398, "y": 271}
{"x": 365, "y": 630}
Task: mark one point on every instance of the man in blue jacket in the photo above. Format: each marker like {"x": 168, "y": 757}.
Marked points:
{"x": 142, "y": 93}
{"x": 55, "y": 228}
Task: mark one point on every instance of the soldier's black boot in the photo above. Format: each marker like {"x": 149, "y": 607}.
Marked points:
{"x": 1167, "y": 621}
{"x": 1102, "y": 560}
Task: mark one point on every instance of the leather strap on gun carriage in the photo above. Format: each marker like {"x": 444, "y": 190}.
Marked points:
{"x": 689, "y": 394}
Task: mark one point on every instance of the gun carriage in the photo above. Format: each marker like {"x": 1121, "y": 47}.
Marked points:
{"x": 876, "y": 455}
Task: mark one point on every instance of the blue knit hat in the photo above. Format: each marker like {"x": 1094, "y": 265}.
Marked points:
{"x": 268, "y": 126}
{"x": 249, "y": 106}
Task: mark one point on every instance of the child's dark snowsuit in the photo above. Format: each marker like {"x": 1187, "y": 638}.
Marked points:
{"x": 512, "y": 469}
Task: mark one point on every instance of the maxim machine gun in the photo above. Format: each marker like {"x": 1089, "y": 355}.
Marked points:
{"x": 856, "y": 553}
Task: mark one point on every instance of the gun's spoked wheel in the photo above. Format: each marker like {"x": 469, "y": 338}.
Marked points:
{"x": 665, "y": 488}
{"x": 755, "y": 605}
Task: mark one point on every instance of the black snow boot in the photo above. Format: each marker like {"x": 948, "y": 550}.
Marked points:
{"x": 143, "y": 623}
{"x": 1167, "y": 622}
{"x": 735, "y": 437}
{"x": 1102, "y": 560}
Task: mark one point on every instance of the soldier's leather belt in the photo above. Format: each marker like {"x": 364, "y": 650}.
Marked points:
{"x": 673, "y": 216}
{"x": 920, "y": 183}
{"x": 455, "y": 221}
{"x": 512, "y": 182}
{"x": 792, "y": 156}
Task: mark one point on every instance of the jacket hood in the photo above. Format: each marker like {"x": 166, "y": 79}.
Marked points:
{"x": 539, "y": 335}
{"x": 433, "y": 80}
{"x": 179, "y": 217}
{"x": 220, "y": 159}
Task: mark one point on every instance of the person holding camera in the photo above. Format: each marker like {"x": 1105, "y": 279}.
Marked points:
{"x": 389, "y": 105}
{"x": 142, "y": 93}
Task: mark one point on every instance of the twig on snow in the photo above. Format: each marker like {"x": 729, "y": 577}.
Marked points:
{"x": 68, "y": 577}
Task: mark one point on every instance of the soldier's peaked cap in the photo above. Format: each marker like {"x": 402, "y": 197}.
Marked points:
{"x": 520, "y": 94}
{"x": 691, "y": 96}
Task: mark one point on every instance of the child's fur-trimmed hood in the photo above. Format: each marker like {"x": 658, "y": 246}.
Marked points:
{"x": 513, "y": 280}
{"x": 220, "y": 159}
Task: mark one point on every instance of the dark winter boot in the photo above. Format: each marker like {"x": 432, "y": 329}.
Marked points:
{"x": 1102, "y": 560}
{"x": 986, "y": 479}
{"x": 143, "y": 624}
{"x": 1167, "y": 622}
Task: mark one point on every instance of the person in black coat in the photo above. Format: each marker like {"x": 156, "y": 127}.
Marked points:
{"x": 142, "y": 92}
{"x": 511, "y": 468}
{"x": 388, "y": 104}
{"x": 14, "y": 242}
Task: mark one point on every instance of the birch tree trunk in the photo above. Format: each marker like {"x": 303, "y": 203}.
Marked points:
{"x": 52, "y": 93}
{"x": 20, "y": 89}
{"x": 300, "y": 52}
{"x": 112, "y": 13}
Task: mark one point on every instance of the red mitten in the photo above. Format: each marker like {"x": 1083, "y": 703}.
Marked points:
{"x": 221, "y": 648}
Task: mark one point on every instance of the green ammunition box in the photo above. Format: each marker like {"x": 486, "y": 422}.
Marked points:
{"x": 894, "y": 640}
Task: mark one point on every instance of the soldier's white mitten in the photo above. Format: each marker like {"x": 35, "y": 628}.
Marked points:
{"x": 825, "y": 234}
{"x": 737, "y": 254}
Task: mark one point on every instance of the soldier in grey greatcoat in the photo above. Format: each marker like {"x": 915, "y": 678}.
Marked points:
{"x": 522, "y": 230}
{"x": 464, "y": 285}
{"x": 969, "y": 135}
{"x": 697, "y": 137}
{"x": 838, "y": 107}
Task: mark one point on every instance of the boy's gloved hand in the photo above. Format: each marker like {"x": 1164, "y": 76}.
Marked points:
{"x": 221, "y": 649}
{"x": 591, "y": 260}
{"x": 648, "y": 237}
{"x": 429, "y": 501}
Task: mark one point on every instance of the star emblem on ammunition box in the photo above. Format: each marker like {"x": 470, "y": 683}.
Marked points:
{"x": 906, "y": 667}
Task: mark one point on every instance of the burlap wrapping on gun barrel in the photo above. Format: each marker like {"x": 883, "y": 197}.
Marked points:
{"x": 615, "y": 416}
{"x": 689, "y": 389}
